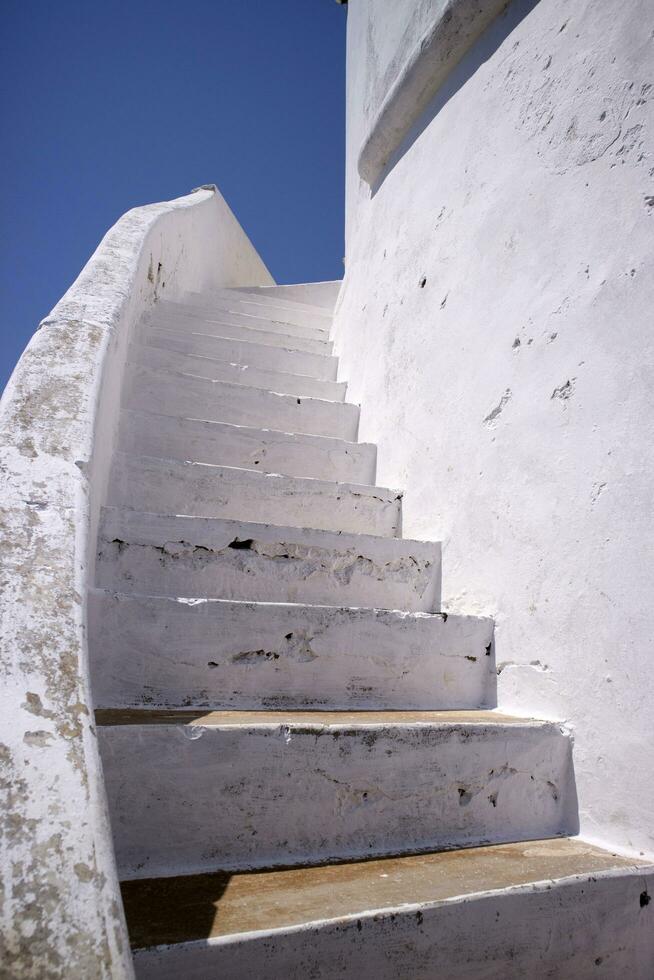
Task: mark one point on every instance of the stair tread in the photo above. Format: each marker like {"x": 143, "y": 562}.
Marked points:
{"x": 317, "y": 719}
{"x": 219, "y": 904}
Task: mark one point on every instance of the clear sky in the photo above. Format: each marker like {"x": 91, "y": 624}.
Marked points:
{"x": 107, "y": 104}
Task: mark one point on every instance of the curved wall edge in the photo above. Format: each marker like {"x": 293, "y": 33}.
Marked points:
{"x": 457, "y": 25}
{"x": 62, "y": 914}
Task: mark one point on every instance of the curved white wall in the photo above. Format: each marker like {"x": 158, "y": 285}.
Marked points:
{"x": 61, "y": 911}
{"x": 512, "y": 394}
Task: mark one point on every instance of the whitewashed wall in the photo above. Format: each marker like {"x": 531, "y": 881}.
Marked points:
{"x": 61, "y": 911}
{"x": 496, "y": 323}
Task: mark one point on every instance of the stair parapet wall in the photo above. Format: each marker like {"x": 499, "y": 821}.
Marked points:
{"x": 58, "y": 420}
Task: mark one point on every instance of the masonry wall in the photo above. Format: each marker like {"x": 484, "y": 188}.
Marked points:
{"x": 496, "y": 322}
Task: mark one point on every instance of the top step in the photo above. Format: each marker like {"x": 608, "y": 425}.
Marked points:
{"x": 318, "y": 294}
{"x": 296, "y": 313}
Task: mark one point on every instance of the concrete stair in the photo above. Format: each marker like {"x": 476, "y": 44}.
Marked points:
{"x": 502, "y": 912}
{"x": 305, "y": 768}
{"x": 248, "y": 447}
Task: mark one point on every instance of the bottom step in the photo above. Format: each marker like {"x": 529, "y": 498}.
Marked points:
{"x": 557, "y": 908}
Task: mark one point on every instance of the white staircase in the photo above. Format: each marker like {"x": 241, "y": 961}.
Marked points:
{"x": 306, "y": 774}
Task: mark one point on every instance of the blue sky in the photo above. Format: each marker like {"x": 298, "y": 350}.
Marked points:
{"x": 107, "y": 105}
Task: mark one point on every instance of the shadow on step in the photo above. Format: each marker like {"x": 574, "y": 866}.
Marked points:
{"x": 173, "y": 910}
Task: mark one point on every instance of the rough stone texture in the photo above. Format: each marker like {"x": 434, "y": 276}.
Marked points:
{"x": 495, "y": 325}
{"x": 61, "y": 914}
{"x": 195, "y": 557}
{"x": 306, "y": 787}
{"x": 175, "y": 653}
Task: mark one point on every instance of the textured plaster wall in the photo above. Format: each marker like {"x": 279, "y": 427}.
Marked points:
{"x": 60, "y": 914}
{"x": 496, "y": 325}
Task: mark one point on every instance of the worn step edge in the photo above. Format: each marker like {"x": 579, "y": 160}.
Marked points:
{"x": 197, "y": 556}
{"x": 320, "y": 785}
{"x": 315, "y": 719}
{"x": 221, "y": 653}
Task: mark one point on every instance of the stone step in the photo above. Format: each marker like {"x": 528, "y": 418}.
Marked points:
{"x": 194, "y": 791}
{"x": 243, "y": 352}
{"x": 557, "y": 908}
{"x": 279, "y": 298}
{"x": 318, "y": 294}
{"x": 208, "y": 367}
{"x": 178, "y": 394}
{"x": 197, "y": 557}
{"x": 263, "y": 450}
{"x": 167, "y": 486}
{"x": 223, "y": 654}
{"x": 184, "y": 325}
{"x": 293, "y": 320}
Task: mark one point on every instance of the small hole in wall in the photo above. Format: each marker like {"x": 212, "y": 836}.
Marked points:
{"x": 423, "y": 282}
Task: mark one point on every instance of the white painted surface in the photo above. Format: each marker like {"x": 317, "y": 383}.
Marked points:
{"x": 61, "y": 915}
{"x": 194, "y": 556}
{"x": 322, "y": 295}
{"x": 175, "y": 653}
{"x": 176, "y": 393}
{"x": 308, "y": 792}
{"x": 284, "y": 316}
{"x": 185, "y": 324}
{"x": 264, "y": 450}
{"x": 511, "y": 396}
{"x": 418, "y": 67}
{"x": 168, "y": 486}
{"x": 243, "y": 374}
{"x": 245, "y": 353}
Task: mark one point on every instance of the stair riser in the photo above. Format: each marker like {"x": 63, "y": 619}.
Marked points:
{"x": 150, "y": 391}
{"x": 193, "y": 326}
{"x": 164, "y": 488}
{"x": 241, "y": 655}
{"x": 311, "y": 326}
{"x": 265, "y": 451}
{"x": 189, "y": 557}
{"x": 584, "y": 928}
{"x": 244, "y": 353}
{"x": 204, "y": 367}
{"x": 304, "y": 794}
